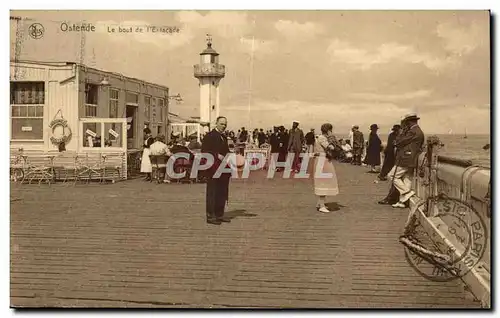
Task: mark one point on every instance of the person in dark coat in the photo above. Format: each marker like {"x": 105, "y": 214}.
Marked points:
{"x": 358, "y": 143}
{"x": 373, "y": 149}
{"x": 295, "y": 142}
{"x": 282, "y": 141}
{"x": 215, "y": 143}
{"x": 389, "y": 153}
{"x": 261, "y": 137}
{"x": 273, "y": 140}
{"x": 408, "y": 147}
{"x": 310, "y": 141}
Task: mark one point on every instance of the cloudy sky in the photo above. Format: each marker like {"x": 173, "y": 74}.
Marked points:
{"x": 342, "y": 67}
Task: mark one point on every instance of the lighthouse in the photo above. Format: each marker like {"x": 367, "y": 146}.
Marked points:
{"x": 209, "y": 73}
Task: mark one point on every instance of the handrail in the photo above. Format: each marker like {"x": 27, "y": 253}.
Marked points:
{"x": 455, "y": 161}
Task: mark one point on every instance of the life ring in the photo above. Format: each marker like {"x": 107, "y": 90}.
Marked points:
{"x": 66, "y": 129}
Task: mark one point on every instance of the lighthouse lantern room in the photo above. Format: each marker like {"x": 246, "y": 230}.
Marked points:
{"x": 209, "y": 73}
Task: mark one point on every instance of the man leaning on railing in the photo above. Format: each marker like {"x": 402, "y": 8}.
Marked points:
{"x": 408, "y": 147}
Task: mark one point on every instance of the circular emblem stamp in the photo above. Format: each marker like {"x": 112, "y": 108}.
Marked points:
{"x": 467, "y": 232}
{"x": 36, "y": 30}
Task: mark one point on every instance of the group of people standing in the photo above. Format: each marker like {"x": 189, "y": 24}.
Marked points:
{"x": 216, "y": 144}
{"x": 280, "y": 140}
{"x": 404, "y": 145}
{"x": 400, "y": 158}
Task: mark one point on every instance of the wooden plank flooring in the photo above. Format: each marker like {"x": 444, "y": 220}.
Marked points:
{"x": 138, "y": 244}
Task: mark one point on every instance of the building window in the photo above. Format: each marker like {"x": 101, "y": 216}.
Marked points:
{"x": 92, "y": 135}
{"x": 147, "y": 108}
{"x": 161, "y": 106}
{"x": 114, "y": 95}
{"x": 91, "y": 98}
{"x": 27, "y": 100}
{"x": 132, "y": 98}
{"x": 154, "y": 109}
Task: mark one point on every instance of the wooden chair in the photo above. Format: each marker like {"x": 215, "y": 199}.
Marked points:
{"x": 158, "y": 163}
{"x": 80, "y": 167}
{"x": 89, "y": 166}
{"x": 65, "y": 167}
{"x": 95, "y": 167}
{"x": 112, "y": 166}
{"x": 38, "y": 166}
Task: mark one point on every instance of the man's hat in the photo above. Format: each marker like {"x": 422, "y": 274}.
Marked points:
{"x": 373, "y": 126}
{"x": 396, "y": 127}
{"x": 410, "y": 116}
{"x": 296, "y": 121}
{"x": 355, "y": 127}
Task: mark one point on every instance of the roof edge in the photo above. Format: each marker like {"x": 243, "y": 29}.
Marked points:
{"x": 68, "y": 63}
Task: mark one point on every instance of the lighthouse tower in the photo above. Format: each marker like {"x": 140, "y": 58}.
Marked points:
{"x": 209, "y": 72}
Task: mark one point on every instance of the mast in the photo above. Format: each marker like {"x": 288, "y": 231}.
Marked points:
{"x": 465, "y": 129}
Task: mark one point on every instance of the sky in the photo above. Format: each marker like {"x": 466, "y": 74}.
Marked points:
{"x": 343, "y": 67}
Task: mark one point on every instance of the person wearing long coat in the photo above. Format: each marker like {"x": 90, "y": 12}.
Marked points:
{"x": 389, "y": 153}
{"x": 282, "y": 141}
{"x": 273, "y": 140}
{"x": 408, "y": 147}
{"x": 324, "y": 176}
{"x": 373, "y": 149}
{"x": 295, "y": 142}
{"x": 358, "y": 144}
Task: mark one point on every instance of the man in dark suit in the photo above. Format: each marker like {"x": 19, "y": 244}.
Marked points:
{"x": 215, "y": 143}
{"x": 295, "y": 142}
{"x": 358, "y": 144}
{"x": 408, "y": 148}
{"x": 310, "y": 140}
{"x": 273, "y": 140}
{"x": 261, "y": 137}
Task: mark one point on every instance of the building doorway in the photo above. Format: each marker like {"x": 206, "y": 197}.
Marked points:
{"x": 131, "y": 114}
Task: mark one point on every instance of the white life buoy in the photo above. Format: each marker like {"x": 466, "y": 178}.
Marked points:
{"x": 66, "y": 131}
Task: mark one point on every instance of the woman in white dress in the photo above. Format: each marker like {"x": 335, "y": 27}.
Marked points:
{"x": 145, "y": 161}
{"x": 325, "y": 178}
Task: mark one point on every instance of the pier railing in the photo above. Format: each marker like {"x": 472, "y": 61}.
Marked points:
{"x": 460, "y": 180}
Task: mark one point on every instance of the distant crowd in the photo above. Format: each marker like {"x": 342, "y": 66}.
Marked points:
{"x": 353, "y": 149}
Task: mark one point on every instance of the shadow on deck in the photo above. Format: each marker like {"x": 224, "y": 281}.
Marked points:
{"x": 139, "y": 244}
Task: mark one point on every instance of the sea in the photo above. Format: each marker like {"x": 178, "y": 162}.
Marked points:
{"x": 457, "y": 146}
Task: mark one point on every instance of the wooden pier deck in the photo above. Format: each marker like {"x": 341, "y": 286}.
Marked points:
{"x": 139, "y": 244}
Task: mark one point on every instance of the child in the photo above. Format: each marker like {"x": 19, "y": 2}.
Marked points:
{"x": 333, "y": 154}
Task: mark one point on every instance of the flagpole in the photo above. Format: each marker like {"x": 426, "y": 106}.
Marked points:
{"x": 250, "y": 84}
